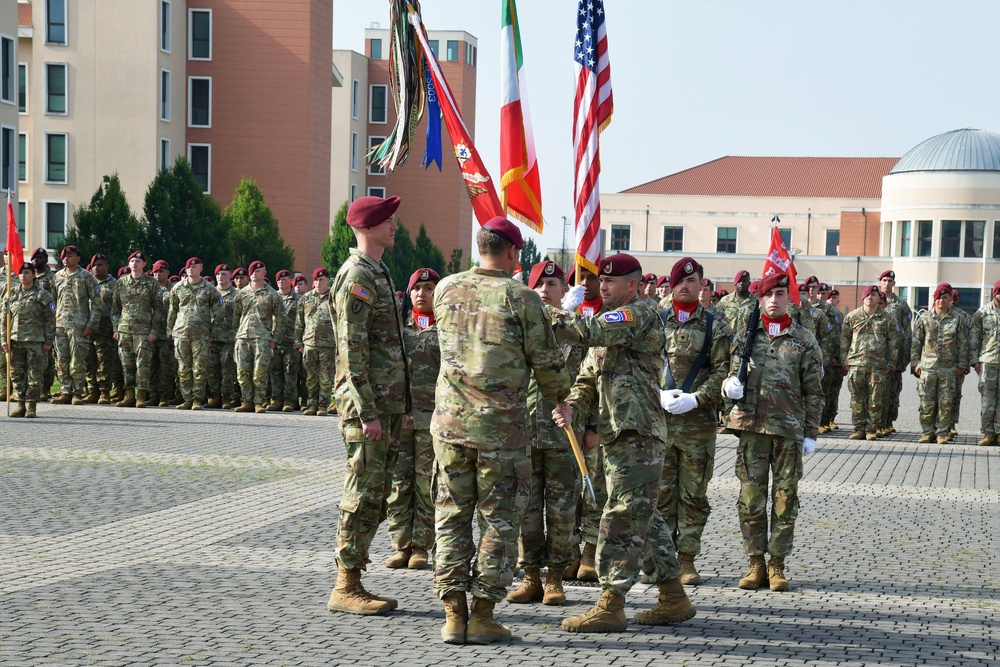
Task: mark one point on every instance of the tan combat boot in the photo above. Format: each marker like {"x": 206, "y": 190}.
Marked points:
{"x": 398, "y": 560}
{"x": 196, "y": 405}
{"x": 756, "y": 575}
{"x": 323, "y": 412}
{"x": 871, "y": 435}
{"x": 824, "y": 429}
{"x": 228, "y": 404}
{"x": 607, "y": 615}
{"x": 62, "y": 399}
{"x": 482, "y": 628}
{"x": 142, "y": 398}
{"x": 776, "y": 573}
{"x": 3, "y": 391}
{"x": 456, "y": 618}
{"x": 418, "y": 560}
{"x": 988, "y": 440}
{"x": 689, "y": 574}
{"x": 349, "y": 596}
{"x": 857, "y": 435}
{"x": 275, "y": 406}
{"x": 673, "y": 606}
{"x": 214, "y": 402}
{"x": 244, "y": 407}
{"x": 76, "y": 400}
{"x": 926, "y": 438}
{"x": 571, "y": 570}
{"x": 93, "y": 398}
{"x": 587, "y": 571}
{"x": 186, "y": 405}
{"x": 30, "y": 410}
{"x": 530, "y": 589}
{"x": 554, "y": 594}
{"x": 943, "y": 439}
{"x": 19, "y": 410}
{"x": 289, "y": 406}
{"x": 310, "y": 410}
{"x": 104, "y": 398}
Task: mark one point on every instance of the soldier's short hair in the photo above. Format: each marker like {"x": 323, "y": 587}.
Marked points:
{"x": 491, "y": 243}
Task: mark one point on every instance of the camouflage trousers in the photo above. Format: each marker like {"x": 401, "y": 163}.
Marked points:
{"x": 956, "y": 403}
{"x": 490, "y": 484}
{"x": 895, "y": 388}
{"x": 410, "y": 500}
{"x": 162, "y": 371}
{"x": 832, "y": 383}
{"x": 688, "y": 466}
{"x": 757, "y": 456}
{"x": 49, "y": 375}
{"x": 103, "y": 365}
{"x": 72, "y": 348}
{"x": 221, "y": 370}
{"x": 192, "y": 367}
{"x": 253, "y": 359}
{"x": 989, "y": 391}
{"x": 284, "y": 373}
{"x": 27, "y": 364}
{"x": 591, "y": 510}
{"x": 321, "y": 365}
{"x": 937, "y": 397}
{"x": 869, "y": 389}
{"x": 136, "y": 353}
{"x": 550, "y": 516}
{"x": 631, "y": 526}
{"x": 363, "y": 503}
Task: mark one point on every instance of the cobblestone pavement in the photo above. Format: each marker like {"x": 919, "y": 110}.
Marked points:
{"x": 154, "y": 537}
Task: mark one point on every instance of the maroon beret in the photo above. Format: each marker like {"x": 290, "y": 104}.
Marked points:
{"x": 683, "y": 268}
{"x": 996, "y": 288}
{"x": 890, "y": 274}
{"x": 240, "y": 271}
{"x": 824, "y": 287}
{"x": 254, "y": 265}
{"x": 298, "y": 278}
{"x": 619, "y": 265}
{"x": 40, "y": 252}
{"x": 954, "y": 294}
{"x": 717, "y": 294}
{"x": 740, "y": 274}
{"x": 768, "y": 283}
{"x": 868, "y": 290}
{"x": 422, "y": 275}
{"x": 160, "y": 265}
{"x": 69, "y": 248}
{"x": 122, "y": 271}
{"x": 834, "y": 292}
{"x": 754, "y": 284}
{"x": 943, "y": 288}
{"x": 283, "y": 273}
{"x": 663, "y": 280}
{"x": 810, "y": 280}
{"x": 220, "y": 268}
{"x": 705, "y": 282}
{"x": 173, "y": 279}
{"x": 321, "y": 272}
{"x": 649, "y": 278}
{"x": 507, "y": 229}
{"x": 544, "y": 270}
{"x": 191, "y": 260}
{"x": 367, "y": 212}
{"x": 137, "y": 254}
{"x": 803, "y": 288}
{"x": 27, "y": 266}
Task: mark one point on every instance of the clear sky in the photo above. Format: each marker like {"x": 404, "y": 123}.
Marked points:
{"x": 695, "y": 80}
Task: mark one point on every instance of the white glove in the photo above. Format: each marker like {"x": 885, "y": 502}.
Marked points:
{"x": 574, "y": 298}
{"x": 732, "y": 388}
{"x": 682, "y": 403}
{"x": 808, "y": 446}
{"x": 668, "y": 395}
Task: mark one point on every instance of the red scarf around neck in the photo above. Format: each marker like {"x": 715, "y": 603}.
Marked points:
{"x": 591, "y": 307}
{"x": 684, "y": 311}
{"x": 774, "y": 327}
{"x": 422, "y": 320}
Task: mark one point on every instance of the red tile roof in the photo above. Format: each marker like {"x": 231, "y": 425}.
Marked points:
{"x": 24, "y": 15}
{"x": 737, "y": 176}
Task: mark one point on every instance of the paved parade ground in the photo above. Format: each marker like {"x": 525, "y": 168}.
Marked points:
{"x": 158, "y": 537}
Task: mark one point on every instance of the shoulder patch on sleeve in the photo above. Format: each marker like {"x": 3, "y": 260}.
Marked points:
{"x": 361, "y": 292}
{"x": 623, "y": 316}
{"x": 52, "y": 305}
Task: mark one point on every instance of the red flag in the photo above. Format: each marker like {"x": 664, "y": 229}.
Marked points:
{"x": 778, "y": 260}
{"x": 15, "y": 251}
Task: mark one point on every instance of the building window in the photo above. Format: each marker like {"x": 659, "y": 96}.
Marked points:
{"x": 200, "y": 157}
{"x": 673, "y": 239}
{"x": 925, "y": 234}
{"x": 165, "y": 25}
{"x": 55, "y": 88}
{"x": 434, "y": 44}
{"x": 376, "y": 49}
{"x": 725, "y": 240}
{"x": 975, "y": 231}
{"x": 55, "y": 21}
{"x": 376, "y": 192}
{"x": 786, "y": 236}
{"x": 375, "y": 169}
{"x": 164, "y": 153}
{"x": 951, "y": 238}
{"x": 22, "y": 88}
{"x": 377, "y": 104}
{"x": 903, "y": 293}
{"x": 354, "y": 192}
{"x": 55, "y": 223}
{"x": 969, "y": 299}
{"x": 905, "y": 238}
{"x": 200, "y": 39}
{"x": 8, "y": 85}
{"x": 354, "y": 151}
{"x": 165, "y": 94}
{"x": 22, "y": 157}
{"x": 621, "y": 237}
{"x": 22, "y": 221}
{"x": 996, "y": 239}
{"x": 922, "y": 297}
{"x": 8, "y": 158}
{"x": 355, "y": 99}
{"x": 470, "y": 55}
{"x": 832, "y": 242}
{"x": 200, "y": 101}
{"x": 56, "y": 158}
{"x": 452, "y": 50}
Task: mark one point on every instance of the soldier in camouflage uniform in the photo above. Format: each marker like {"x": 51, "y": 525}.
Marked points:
{"x": 316, "y": 341}
{"x": 479, "y": 427}
{"x": 102, "y": 370}
{"x": 966, "y": 321}
{"x": 195, "y": 308}
{"x": 161, "y": 384}
{"x": 549, "y": 523}
{"x": 33, "y": 329}
{"x": 833, "y": 381}
{"x": 285, "y": 362}
{"x": 691, "y": 398}
{"x": 829, "y": 345}
{"x": 301, "y": 287}
{"x": 78, "y": 312}
{"x": 870, "y": 339}
{"x": 738, "y": 306}
{"x": 777, "y": 418}
{"x": 410, "y": 501}
{"x": 899, "y": 311}
{"x": 984, "y": 352}
{"x": 221, "y": 352}
{"x": 705, "y": 299}
{"x": 939, "y": 354}
{"x": 802, "y": 317}
{"x": 136, "y": 315}
{"x": 372, "y": 393}
{"x": 259, "y": 320}
{"x": 622, "y": 376}
{"x": 45, "y": 278}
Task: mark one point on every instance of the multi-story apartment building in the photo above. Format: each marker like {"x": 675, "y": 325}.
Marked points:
{"x": 10, "y": 93}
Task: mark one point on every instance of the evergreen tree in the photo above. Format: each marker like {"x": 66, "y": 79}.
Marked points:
{"x": 254, "y": 232}
{"x": 336, "y": 247}
{"x": 427, "y": 255}
{"x": 105, "y": 225}
{"x": 529, "y": 257}
{"x": 455, "y": 265}
{"x": 401, "y": 258}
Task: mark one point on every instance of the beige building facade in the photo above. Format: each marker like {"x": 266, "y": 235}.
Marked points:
{"x": 349, "y": 131}
{"x": 10, "y": 102}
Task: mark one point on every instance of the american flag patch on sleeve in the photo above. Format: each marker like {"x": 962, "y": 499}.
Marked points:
{"x": 360, "y": 292}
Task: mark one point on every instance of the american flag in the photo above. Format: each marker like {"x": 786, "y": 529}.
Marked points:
{"x": 591, "y": 114}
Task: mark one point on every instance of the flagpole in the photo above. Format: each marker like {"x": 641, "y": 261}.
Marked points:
{"x": 7, "y": 322}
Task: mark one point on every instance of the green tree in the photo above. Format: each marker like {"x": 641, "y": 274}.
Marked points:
{"x": 254, "y": 232}
{"x": 455, "y": 264}
{"x": 180, "y": 221}
{"x": 401, "y": 258}
{"x": 529, "y": 257}
{"x": 337, "y": 244}
{"x": 105, "y": 225}
{"x": 427, "y": 254}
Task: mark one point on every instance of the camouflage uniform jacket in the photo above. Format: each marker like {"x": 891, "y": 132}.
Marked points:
{"x": 543, "y": 431}
{"x": 291, "y": 303}
{"x": 225, "y": 331}
{"x": 966, "y": 321}
{"x": 870, "y": 341}
{"x": 683, "y": 345}
{"x": 78, "y": 299}
{"x": 984, "y": 335}
{"x": 163, "y": 291}
{"x": 33, "y": 314}
{"x": 622, "y": 376}
{"x": 137, "y": 307}
{"x": 940, "y": 342}
{"x": 259, "y": 314}
{"x": 372, "y": 375}
{"x": 836, "y": 320}
{"x": 493, "y": 333}
{"x": 737, "y": 310}
{"x": 194, "y": 310}
{"x": 900, "y": 311}
{"x": 107, "y": 287}
{"x": 45, "y": 279}
{"x": 424, "y": 358}
{"x": 802, "y": 317}
{"x": 313, "y": 324}
{"x": 783, "y": 394}
{"x": 828, "y": 344}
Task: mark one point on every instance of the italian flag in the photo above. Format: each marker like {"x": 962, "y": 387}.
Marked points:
{"x": 520, "y": 186}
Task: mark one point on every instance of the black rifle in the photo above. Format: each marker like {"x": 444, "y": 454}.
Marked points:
{"x": 748, "y": 339}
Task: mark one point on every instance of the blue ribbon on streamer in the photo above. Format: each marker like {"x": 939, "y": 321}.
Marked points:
{"x": 433, "y": 151}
